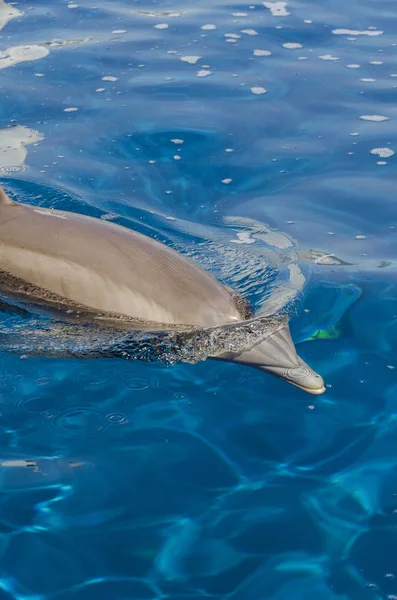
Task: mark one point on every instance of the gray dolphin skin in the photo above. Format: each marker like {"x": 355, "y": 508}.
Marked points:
{"x": 75, "y": 260}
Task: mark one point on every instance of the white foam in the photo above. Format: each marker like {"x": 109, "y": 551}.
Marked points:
{"x": 329, "y": 57}
{"x": 376, "y": 118}
{"x": 203, "y": 73}
{"x": 258, "y": 90}
{"x": 278, "y": 9}
{"x": 18, "y": 54}
{"x": 7, "y": 12}
{"x": 371, "y": 33}
{"x": 383, "y": 152}
{"x": 292, "y": 45}
{"x": 262, "y": 53}
{"x": 244, "y": 237}
{"x": 209, "y": 27}
{"x": 249, "y": 31}
{"x": 192, "y": 60}
{"x": 12, "y": 146}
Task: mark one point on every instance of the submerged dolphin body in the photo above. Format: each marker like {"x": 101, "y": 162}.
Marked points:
{"x": 72, "y": 260}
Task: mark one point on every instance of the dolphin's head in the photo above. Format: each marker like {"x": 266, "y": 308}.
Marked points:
{"x": 276, "y": 354}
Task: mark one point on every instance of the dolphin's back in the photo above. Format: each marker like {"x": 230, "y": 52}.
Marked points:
{"x": 108, "y": 268}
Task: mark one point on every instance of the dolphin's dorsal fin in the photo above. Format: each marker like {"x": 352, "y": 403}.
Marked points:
{"x": 4, "y": 199}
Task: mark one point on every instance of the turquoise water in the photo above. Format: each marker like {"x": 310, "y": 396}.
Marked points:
{"x": 137, "y": 480}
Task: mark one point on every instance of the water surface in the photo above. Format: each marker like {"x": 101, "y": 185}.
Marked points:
{"x": 124, "y": 479}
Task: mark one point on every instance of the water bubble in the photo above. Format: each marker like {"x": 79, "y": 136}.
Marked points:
{"x": 117, "y": 418}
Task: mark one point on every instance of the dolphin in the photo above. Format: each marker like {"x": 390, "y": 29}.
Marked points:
{"x": 72, "y": 260}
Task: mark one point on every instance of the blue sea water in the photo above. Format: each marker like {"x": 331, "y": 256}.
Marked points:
{"x": 135, "y": 480}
